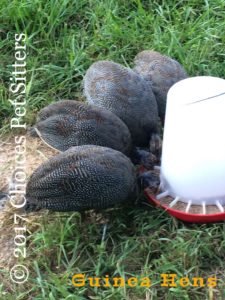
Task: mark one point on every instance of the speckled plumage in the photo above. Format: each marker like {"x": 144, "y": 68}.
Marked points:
{"x": 69, "y": 123}
{"x": 125, "y": 93}
{"x": 162, "y": 71}
{"x": 81, "y": 178}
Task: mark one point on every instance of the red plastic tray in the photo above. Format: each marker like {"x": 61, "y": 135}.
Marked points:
{"x": 187, "y": 217}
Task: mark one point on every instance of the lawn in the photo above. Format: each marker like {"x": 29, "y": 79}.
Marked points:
{"x": 63, "y": 39}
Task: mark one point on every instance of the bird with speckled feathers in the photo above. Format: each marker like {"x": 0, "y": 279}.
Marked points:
{"x": 70, "y": 123}
{"x": 126, "y": 94}
{"x": 82, "y": 178}
{"x": 162, "y": 72}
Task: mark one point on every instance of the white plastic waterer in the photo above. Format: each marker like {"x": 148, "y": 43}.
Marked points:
{"x": 193, "y": 155}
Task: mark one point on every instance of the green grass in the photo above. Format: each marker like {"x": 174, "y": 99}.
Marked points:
{"x": 64, "y": 38}
{"x": 138, "y": 242}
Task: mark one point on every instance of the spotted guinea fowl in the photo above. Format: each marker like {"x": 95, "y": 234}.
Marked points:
{"x": 162, "y": 71}
{"x": 69, "y": 123}
{"x": 125, "y": 93}
{"x": 82, "y": 178}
